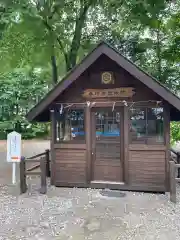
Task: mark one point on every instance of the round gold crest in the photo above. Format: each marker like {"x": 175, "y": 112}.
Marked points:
{"x": 107, "y": 77}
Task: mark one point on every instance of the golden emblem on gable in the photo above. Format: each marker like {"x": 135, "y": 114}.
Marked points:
{"x": 107, "y": 78}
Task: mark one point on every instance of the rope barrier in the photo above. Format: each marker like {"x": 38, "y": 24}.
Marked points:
{"x": 91, "y": 104}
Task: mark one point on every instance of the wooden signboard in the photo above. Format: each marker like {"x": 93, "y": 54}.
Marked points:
{"x": 109, "y": 93}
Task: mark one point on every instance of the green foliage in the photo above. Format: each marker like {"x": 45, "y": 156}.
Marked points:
{"x": 175, "y": 132}
{"x": 19, "y": 91}
{"x": 32, "y": 33}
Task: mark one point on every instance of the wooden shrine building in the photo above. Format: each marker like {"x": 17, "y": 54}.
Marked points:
{"x": 110, "y": 124}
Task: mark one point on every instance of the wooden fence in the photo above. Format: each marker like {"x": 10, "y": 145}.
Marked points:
{"x": 174, "y": 173}
{"x": 42, "y": 161}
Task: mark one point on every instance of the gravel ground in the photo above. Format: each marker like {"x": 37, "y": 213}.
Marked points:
{"x": 78, "y": 214}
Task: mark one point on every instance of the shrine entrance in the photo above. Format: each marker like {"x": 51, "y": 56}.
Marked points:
{"x": 107, "y": 144}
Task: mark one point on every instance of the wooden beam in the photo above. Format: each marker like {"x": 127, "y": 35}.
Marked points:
{"x": 71, "y": 145}
{"x": 93, "y": 142}
{"x": 139, "y": 187}
{"x": 43, "y": 165}
{"x": 88, "y": 143}
{"x": 48, "y": 171}
{"x": 177, "y": 180}
{"x": 23, "y": 186}
{"x": 167, "y": 143}
{"x": 53, "y": 136}
{"x": 27, "y": 173}
{"x": 172, "y": 182}
{"x": 144, "y": 147}
{"x": 122, "y": 174}
{"x": 177, "y": 165}
{"x": 126, "y": 145}
{"x": 36, "y": 156}
{"x": 33, "y": 167}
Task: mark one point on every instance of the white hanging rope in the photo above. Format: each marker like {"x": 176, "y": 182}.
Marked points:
{"x": 61, "y": 109}
{"x": 68, "y": 106}
{"x": 124, "y": 102}
{"x": 113, "y": 106}
{"x": 132, "y": 105}
{"x": 88, "y": 104}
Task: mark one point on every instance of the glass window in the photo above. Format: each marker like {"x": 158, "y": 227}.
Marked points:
{"x": 70, "y": 126}
{"x": 146, "y": 125}
{"x": 107, "y": 124}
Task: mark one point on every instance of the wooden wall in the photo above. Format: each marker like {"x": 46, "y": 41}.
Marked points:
{"x": 70, "y": 165}
{"x": 147, "y": 167}
{"x": 91, "y": 78}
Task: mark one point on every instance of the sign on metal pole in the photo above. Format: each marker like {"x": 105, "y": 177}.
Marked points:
{"x": 14, "y": 151}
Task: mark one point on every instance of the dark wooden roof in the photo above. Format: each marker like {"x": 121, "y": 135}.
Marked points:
{"x": 41, "y": 111}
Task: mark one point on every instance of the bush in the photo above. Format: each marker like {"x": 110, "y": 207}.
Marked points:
{"x": 175, "y": 132}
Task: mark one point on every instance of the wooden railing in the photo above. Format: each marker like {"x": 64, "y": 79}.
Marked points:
{"x": 174, "y": 173}
{"x": 46, "y": 153}
{"x": 42, "y": 161}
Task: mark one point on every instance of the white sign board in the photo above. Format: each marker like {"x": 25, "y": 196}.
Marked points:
{"x": 14, "y": 147}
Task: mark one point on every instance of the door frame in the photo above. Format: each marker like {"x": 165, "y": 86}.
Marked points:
{"x": 91, "y": 131}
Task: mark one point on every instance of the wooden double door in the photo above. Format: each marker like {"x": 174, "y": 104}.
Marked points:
{"x": 107, "y": 144}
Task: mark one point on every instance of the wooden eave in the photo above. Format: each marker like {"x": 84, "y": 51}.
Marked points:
{"x": 103, "y": 48}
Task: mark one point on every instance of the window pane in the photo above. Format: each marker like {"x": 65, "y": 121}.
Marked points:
{"x": 155, "y": 125}
{"x": 146, "y": 125}
{"x": 138, "y": 125}
{"x": 71, "y": 126}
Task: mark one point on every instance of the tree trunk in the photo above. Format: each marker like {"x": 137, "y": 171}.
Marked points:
{"x": 158, "y": 53}
{"x": 158, "y": 56}
{"x": 54, "y": 70}
{"x": 80, "y": 20}
{"x": 53, "y": 59}
{"x": 53, "y": 56}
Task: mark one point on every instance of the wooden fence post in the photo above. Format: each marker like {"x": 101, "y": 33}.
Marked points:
{"x": 178, "y": 161}
{"x": 172, "y": 182}
{"x": 48, "y": 173}
{"x": 22, "y": 165}
{"x": 43, "y": 165}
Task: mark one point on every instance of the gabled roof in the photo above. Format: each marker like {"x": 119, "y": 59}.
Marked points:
{"x": 104, "y": 48}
